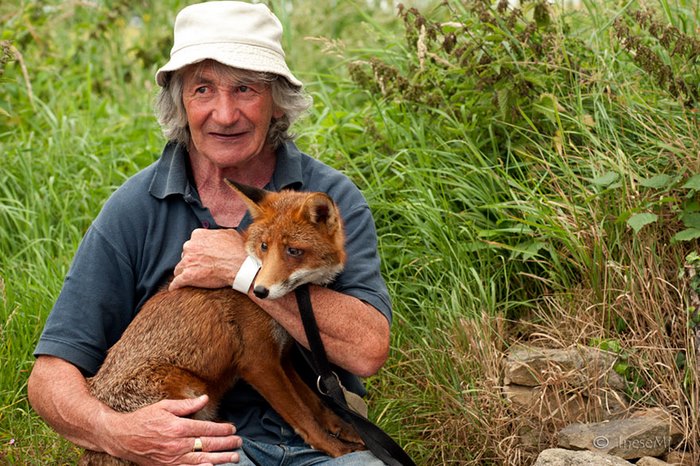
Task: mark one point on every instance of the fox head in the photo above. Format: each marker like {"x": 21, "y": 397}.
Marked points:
{"x": 297, "y": 237}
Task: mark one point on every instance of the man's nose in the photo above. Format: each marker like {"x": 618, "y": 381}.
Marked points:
{"x": 227, "y": 109}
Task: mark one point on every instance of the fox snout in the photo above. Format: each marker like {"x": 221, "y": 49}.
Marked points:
{"x": 261, "y": 291}
{"x": 270, "y": 286}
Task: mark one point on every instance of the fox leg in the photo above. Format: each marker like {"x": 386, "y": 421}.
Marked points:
{"x": 150, "y": 386}
{"x": 268, "y": 377}
{"x": 179, "y": 383}
{"x": 329, "y": 420}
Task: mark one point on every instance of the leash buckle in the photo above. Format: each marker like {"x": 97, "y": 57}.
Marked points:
{"x": 319, "y": 384}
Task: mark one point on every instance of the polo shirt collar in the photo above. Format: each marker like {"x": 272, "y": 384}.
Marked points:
{"x": 288, "y": 171}
{"x": 170, "y": 175}
{"x": 171, "y": 171}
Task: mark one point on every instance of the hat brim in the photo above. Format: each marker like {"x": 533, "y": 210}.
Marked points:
{"x": 241, "y": 56}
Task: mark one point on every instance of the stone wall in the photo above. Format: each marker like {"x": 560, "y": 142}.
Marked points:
{"x": 579, "y": 387}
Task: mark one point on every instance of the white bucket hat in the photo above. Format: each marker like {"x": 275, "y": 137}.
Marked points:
{"x": 241, "y": 35}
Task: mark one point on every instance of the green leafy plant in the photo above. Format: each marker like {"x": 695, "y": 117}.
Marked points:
{"x": 623, "y": 365}
{"x": 664, "y": 197}
{"x": 667, "y": 54}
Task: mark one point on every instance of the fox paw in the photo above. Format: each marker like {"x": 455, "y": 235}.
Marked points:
{"x": 349, "y": 436}
{"x": 336, "y": 447}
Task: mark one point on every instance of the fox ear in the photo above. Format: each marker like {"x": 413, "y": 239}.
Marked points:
{"x": 320, "y": 209}
{"x": 250, "y": 195}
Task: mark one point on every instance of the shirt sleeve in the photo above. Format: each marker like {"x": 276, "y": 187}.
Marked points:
{"x": 94, "y": 306}
{"x": 361, "y": 276}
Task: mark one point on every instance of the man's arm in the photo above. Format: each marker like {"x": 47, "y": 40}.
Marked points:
{"x": 154, "y": 435}
{"x": 355, "y": 334}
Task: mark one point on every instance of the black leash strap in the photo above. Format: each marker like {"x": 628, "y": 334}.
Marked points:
{"x": 376, "y": 440}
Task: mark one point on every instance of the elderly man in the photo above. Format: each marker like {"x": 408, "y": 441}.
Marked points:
{"x": 226, "y": 104}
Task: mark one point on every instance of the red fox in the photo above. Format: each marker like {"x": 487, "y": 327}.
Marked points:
{"x": 192, "y": 341}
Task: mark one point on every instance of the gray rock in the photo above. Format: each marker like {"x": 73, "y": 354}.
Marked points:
{"x": 561, "y": 457}
{"x": 649, "y": 461}
{"x": 627, "y": 438}
{"x": 581, "y": 365}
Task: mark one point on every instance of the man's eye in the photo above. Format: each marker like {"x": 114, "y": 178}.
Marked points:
{"x": 243, "y": 89}
{"x": 200, "y": 90}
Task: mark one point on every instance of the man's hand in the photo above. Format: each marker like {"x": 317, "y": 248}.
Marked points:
{"x": 210, "y": 259}
{"x": 153, "y": 435}
{"x": 159, "y": 434}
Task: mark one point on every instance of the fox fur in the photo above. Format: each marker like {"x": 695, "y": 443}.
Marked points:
{"x": 193, "y": 341}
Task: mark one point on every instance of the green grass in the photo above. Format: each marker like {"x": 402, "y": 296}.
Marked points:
{"x": 506, "y": 164}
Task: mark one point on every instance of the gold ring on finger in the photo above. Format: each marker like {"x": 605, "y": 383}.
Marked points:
{"x": 197, "y": 445}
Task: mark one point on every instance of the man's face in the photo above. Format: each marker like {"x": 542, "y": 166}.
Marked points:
{"x": 228, "y": 120}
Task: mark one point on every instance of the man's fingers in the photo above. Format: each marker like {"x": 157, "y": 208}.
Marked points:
{"x": 210, "y": 459}
{"x": 220, "y": 455}
{"x": 197, "y": 428}
{"x": 218, "y": 444}
{"x": 177, "y": 281}
{"x": 185, "y": 407}
{"x": 210, "y": 259}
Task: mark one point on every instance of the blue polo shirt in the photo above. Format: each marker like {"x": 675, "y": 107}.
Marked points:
{"x": 132, "y": 247}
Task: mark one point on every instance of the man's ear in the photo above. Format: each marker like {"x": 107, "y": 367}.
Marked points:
{"x": 250, "y": 195}
{"x": 277, "y": 112}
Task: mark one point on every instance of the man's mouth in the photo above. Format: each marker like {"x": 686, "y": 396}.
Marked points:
{"x": 227, "y": 135}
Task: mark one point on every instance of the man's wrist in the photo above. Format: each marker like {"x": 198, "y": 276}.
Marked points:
{"x": 104, "y": 431}
{"x": 246, "y": 275}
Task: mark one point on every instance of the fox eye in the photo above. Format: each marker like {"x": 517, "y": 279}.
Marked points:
{"x": 263, "y": 246}
{"x": 295, "y": 252}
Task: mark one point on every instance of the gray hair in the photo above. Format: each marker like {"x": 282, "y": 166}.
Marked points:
{"x": 170, "y": 110}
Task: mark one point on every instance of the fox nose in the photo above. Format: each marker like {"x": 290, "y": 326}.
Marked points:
{"x": 261, "y": 292}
